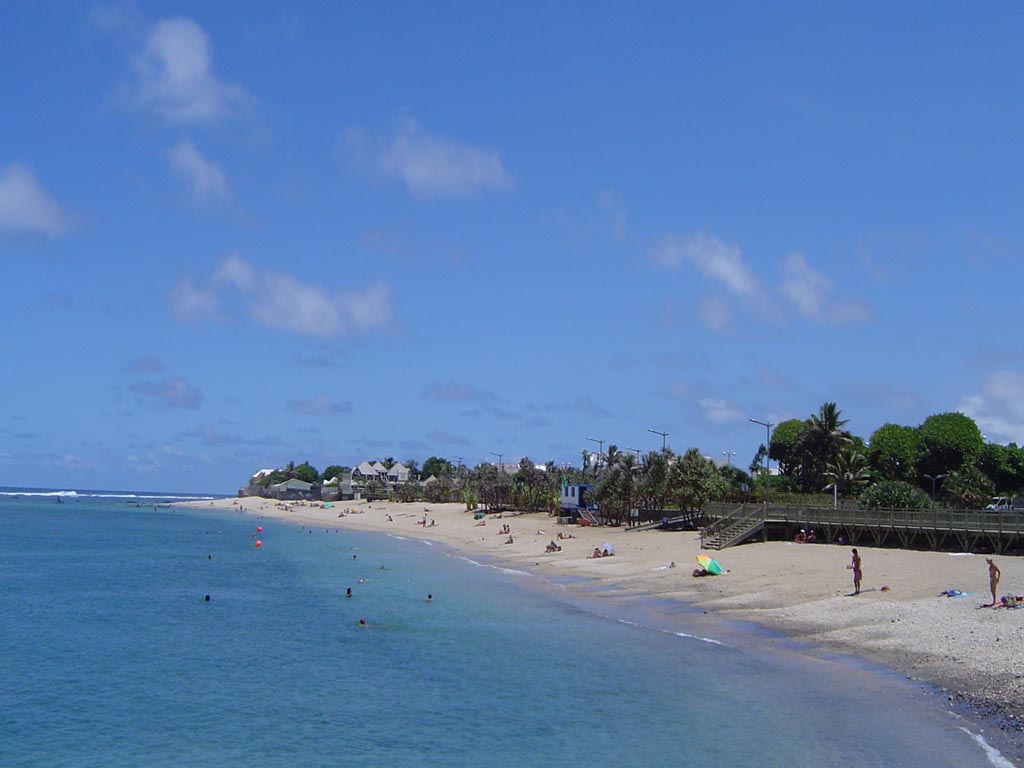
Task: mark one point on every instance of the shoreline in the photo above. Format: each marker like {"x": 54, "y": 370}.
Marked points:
{"x": 971, "y": 654}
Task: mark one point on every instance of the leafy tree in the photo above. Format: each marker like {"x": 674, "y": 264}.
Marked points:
{"x": 1003, "y": 465}
{"x": 374, "y": 489}
{"x": 894, "y": 494}
{"x": 968, "y": 487}
{"x": 306, "y": 473}
{"x": 653, "y": 488}
{"x": 491, "y": 485}
{"x": 440, "y": 490}
{"x": 437, "y": 467}
{"x": 535, "y": 488}
{"x": 275, "y": 477}
{"x": 789, "y": 446}
{"x": 616, "y": 490}
{"x": 695, "y": 480}
{"x": 332, "y": 471}
{"x": 406, "y": 492}
{"x": 947, "y": 442}
{"x": 893, "y": 452}
{"x": 735, "y": 478}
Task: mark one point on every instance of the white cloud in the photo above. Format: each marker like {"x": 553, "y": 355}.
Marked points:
{"x": 812, "y": 293}
{"x": 236, "y": 272}
{"x": 192, "y": 303}
{"x": 715, "y": 313}
{"x": 206, "y": 179}
{"x": 435, "y": 167}
{"x": 805, "y": 287}
{"x": 175, "y": 78}
{"x": 999, "y": 409}
{"x": 280, "y": 301}
{"x": 718, "y": 412}
{"x": 319, "y": 405}
{"x": 25, "y": 206}
{"x": 718, "y": 260}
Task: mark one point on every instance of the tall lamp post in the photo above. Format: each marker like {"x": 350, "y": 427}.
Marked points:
{"x": 600, "y": 449}
{"x": 637, "y": 452}
{"x": 728, "y": 457}
{"x": 767, "y": 447}
{"x": 934, "y": 480}
{"x": 501, "y": 465}
{"x": 663, "y": 436}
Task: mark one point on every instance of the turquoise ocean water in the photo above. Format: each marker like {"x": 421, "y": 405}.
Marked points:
{"x": 110, "y": 655}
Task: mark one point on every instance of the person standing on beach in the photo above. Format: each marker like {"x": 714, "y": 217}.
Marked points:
{"x": 857, "y": 573}
{"x": 993, "y": 578}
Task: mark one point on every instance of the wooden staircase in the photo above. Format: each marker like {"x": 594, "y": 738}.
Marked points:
{"x": 587, "y": 515}
{"x": 732, "y": 529}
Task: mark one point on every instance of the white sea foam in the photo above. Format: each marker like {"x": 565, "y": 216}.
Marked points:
{"x": 106, "y": 495}
{"x": 686, "y": 635}
{"x": 995, "y": 757}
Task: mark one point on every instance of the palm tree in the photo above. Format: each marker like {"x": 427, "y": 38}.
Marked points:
{"x": 848, "y": 472}
{"x": 825, "y": 438}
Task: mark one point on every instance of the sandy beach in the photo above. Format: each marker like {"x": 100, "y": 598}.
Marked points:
{"x": 802, "y": 591}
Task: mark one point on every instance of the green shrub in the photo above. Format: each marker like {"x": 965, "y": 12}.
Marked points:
{"x": 894, "y": 494}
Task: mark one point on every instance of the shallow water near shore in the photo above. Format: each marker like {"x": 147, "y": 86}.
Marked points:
{"x": 111, "y": 656}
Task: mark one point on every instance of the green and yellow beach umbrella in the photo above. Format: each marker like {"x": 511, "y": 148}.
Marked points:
{"x": 709, "y": 564}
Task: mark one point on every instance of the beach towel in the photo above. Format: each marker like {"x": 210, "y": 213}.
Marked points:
{"x": 954, "y": 593}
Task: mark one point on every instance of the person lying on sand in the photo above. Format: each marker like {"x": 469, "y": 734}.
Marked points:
{"x": 509, "y": 540}
{"x": 552, "y": 547}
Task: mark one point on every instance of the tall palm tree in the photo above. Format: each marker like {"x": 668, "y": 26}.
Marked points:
{"x": 826, "y": 438}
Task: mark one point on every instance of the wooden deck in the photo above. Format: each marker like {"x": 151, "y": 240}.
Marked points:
{"x": 935, "y": 529}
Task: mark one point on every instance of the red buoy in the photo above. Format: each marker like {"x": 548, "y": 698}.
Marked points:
{"x": 259, "y": 529}
{"x": 258, "y": 543}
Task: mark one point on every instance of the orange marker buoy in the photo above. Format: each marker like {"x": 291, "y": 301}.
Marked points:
{"x": 258, "y": 544}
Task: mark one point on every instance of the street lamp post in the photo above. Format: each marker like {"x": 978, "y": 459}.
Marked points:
{"x": 767, "y": 447}
{"x": 728, "y": 457}
{"x": 458, "y": 466}
{"x": 663, "y": 436}
{"x": 934, "y": 480}
{"x": 501, "y": 465}
{"x": 600, "y": 448}
{"x": 637, "y": 452}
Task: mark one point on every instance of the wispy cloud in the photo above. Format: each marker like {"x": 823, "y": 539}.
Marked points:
{"x": 209, "y": 435}
{"x": 280, "y": 301}
{"x": 145, "y": 366}
{"x": 174, "y": 76}
{"x": 171, "y": 392}
{"x": 440, "y": 437}
{"x": 580, "y": 403}
{"x": 487, "y": 402}
{"x": 320, "y": 405}
{"x": 432, "y": 166}
{"x": 999, "y": 408}
{"x": 718, "y": 411}
{"x": 205, "y": 178}
{"x": 26, "y": 206}
{"x": 813, "y": 294}
{"x": 454, "y": 392}
{"x": 722, "y": 262}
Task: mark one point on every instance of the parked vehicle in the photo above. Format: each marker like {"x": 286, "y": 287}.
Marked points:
{"x": 1006, "y": 504}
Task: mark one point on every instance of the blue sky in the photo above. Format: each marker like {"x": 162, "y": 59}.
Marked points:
{"x": 237, "y": 235}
